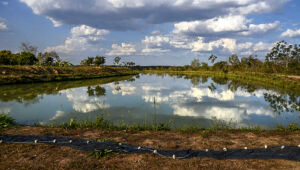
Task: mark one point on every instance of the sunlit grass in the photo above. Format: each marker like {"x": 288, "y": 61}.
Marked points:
{"x": 6, "y": 121}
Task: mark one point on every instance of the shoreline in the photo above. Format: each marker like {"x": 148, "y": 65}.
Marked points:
{"x": 38, "y": 74}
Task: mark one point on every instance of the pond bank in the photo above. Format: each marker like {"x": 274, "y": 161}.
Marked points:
{"x": 283, "y": 82}
{"x": 46, "y": 156}
{"x": 31, "y": 74}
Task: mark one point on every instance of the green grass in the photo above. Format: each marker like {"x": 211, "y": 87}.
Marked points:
{"x": 103, "y": 124}
{"x": 101, "y": 153}
{"x": 31, "y": 74}
{"x": 6, "y": 121}
{"x": 214, "y": 128}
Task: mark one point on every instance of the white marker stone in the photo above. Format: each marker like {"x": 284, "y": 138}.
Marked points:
{"x": 282, "y": 147}
{"x": 54, "y": 140}
{"x": 36, "y": 141}
{"x": 266, "y": 146}
{"x": 224, "y": 149}
{"x": 1, "y": 141}
{"x": 174, "y": 157}
{"x": 206, "y": 150}
{"x": 70, "y": 141}
{"x": 245, "y": 148}
{"x": 299, "y": 146}
{"x": 155, "y": 151}
{"x": 120, "y": 144}
{"x": 139, "y": 148}
{"x": 87, "y": 142}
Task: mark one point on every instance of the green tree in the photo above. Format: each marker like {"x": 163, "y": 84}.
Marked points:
{"x": 49, "y": 58}
{"x": 6, "y": 57}
{"x": 26, "y": 58}
{"x": 234, "y": 61}
{"x": 99, "y": 60}
{"x": 87, "y": 62}
{"x": 130, "y": 64}
{"x": 283, "y": 54}
{"x": 195, "y": 63}
{"x": 204, "y": 66}
{"x": 221, "y": 65}
{"x": 117, "y": 60}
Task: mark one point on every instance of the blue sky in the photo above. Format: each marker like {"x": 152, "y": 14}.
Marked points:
{"x": 149, "y": 32}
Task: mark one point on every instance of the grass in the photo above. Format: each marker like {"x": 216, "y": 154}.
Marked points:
{"x": 215, "y": 127}
{"x": 6, "y": 121}
{"x": 30, "y": 74}
{"x": 101, "y": 153}
{"x": 100, "y": 123}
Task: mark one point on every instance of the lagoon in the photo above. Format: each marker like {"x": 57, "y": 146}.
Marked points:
{"x": 180, "y": 100}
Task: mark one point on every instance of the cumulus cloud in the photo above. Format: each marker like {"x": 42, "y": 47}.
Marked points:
{"x": 217, "y": 25}
{"x": 225, "y": 46}
{"x": 291, "y": 33}
{"x": 156, "y": 43}
{"x": 82, "y": 38}
{"x": 82, "y": 102}
{"x": 261, "y": 29}
{"x": 5, "y": 3}
{"x": 232, "y": 25}
{"x": 121, "y": 50}
{"x": 3, "y": 26}
{"x": 124, "y": 89}
{"x": 136, "y": 14}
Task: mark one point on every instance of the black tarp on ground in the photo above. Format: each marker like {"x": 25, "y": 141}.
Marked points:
{"x": 274, "y": 152}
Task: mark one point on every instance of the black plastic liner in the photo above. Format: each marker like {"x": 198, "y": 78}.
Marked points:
{"x": 271, "y": 152}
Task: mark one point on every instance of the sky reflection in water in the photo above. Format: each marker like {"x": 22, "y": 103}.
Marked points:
{"x": 183, "y": 100}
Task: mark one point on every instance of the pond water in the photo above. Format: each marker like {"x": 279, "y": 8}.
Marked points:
{"x": 142, "y": 99}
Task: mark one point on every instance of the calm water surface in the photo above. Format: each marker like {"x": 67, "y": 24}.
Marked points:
{"x": 181, "y": 100}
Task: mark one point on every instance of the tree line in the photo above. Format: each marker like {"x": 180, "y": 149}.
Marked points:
{"x": 283, "y": 58}
{"x": 100, "y": 60}
{"x": 29, "y": 55}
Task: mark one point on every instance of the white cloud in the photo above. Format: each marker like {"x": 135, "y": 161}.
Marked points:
{"x": 125, "y": 89}
{"x": 232, "y": 25}
{"x": 82, "y": 102}
{"x": 5, "y": 3}
{"x": 156, "y": 44}
{"x": 214, "y": 25}
{"x": 136, "y": 14}
{"x": 3, "y": 26}
{"x": 291, "y": 33}
{"x": 220, "y": 113}
{"x": 58, "y": 114}
{"x": 82, "y": 38}
{"x": 261, "y": 29}
{"x": 124, "y": 49}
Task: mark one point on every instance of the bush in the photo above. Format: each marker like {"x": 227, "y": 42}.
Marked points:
{"x": 6, "y": 121}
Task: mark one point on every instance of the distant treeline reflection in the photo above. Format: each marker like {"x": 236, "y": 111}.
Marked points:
{"x": 27, "y": 94}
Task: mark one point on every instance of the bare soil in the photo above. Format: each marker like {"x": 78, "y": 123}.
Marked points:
{"x": 19, "y": 156}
